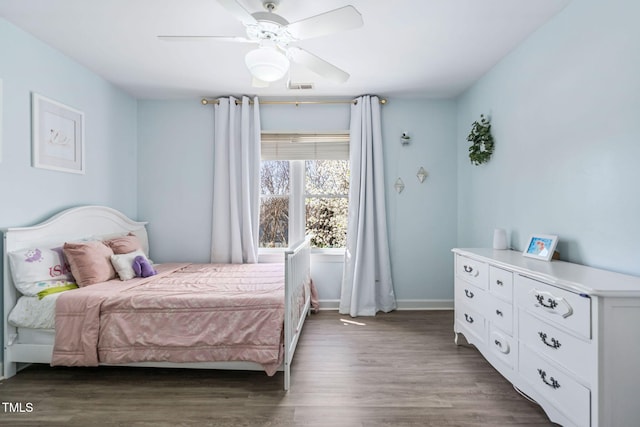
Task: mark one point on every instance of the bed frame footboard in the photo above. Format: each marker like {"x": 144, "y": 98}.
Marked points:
{"x": 297, "y": 300}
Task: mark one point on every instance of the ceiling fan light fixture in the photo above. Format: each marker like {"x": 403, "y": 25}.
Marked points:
{"x": 267, "y": 63}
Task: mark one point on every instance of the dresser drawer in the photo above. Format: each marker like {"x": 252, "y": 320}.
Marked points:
{"x": 502, "y": 346}
{"x": 572, "y": 353}
{"x": 501, "y": 283}
{"x": 558, "y": 387}
{"x": 500, "y": 313}
{"x": 472, "y": 271}
{"x": 470, "y": 295}
{"x": 562, "y": 308}
{"x": 472, "y": 321}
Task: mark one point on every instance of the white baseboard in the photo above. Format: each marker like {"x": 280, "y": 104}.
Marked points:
{"x": 409, "y": 304}
{"x": 425, "y": 304}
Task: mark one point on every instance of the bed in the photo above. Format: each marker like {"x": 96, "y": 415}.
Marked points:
{"x": 179, "y": 312}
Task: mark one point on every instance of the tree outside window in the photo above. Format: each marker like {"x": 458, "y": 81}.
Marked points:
{"x": 274, "y": 204}
{"x": 326, "y": 202}
{"x": 325, "y": 198}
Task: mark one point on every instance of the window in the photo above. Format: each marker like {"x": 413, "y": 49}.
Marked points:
{"x": 274, "y": 203}
{"x": 326, "y": 202}
{"x": 304, "y": 189}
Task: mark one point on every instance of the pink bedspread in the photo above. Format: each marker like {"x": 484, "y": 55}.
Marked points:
{"x": 186, "y": 313}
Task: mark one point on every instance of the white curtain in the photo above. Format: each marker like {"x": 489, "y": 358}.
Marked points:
{"x": 366, "y": 283}
{"x": 236, "y": 181}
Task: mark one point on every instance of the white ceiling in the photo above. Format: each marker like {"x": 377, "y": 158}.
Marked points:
{"x": 406, "y": 48}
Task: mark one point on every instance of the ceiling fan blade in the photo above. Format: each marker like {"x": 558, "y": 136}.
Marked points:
{"x": 318, "y": 65}
{"x": 204, "y": 38}
{"x": 342, "y": 19}
{"x": 238, "y": 11}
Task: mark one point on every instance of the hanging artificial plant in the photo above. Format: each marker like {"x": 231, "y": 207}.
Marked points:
{"x": 481, "y": 147}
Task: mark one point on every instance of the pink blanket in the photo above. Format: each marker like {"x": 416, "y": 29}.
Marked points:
{"x": 186, "y": 313}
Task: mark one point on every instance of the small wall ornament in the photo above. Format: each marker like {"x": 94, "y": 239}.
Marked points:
{"x": 481, "y": 147}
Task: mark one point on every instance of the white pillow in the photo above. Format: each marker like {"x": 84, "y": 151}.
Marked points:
{"x": 123, "y": 264}
{"x": 38, "y": 268}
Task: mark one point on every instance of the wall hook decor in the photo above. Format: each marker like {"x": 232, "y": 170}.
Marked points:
{"x": 422, "y": 174}
{"x": 405, "y": 139}
{"x": 399, "y": 185}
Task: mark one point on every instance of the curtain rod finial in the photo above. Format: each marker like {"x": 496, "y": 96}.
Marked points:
{"x": 204, "y": 101}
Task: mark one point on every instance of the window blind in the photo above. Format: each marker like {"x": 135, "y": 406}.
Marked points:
{"x": 305, "y": 146}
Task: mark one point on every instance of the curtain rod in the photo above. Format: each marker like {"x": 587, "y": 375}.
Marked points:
{"x": 206, "y": 101}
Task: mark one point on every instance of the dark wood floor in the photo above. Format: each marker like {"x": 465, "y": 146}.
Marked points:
{"x": 396, "y": 369}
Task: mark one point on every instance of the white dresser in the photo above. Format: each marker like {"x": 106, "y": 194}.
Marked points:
{"x": 566, "y": 335}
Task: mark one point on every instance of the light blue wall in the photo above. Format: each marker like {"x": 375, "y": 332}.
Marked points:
{"x": 422, "y": 228}
{"x": 29, "y": 195}
{"x": 175, "y": 186}
{"x": 565, "y": 109}
{"x": 175, "y": 178}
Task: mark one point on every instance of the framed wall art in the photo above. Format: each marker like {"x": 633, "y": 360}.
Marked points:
{"x": 57, "y": 136}
{"x": 541, "y": 246}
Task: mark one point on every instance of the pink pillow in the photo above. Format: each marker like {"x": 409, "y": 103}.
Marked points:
{"x": 124, "y": 245}
{"x": 90, "y": 262}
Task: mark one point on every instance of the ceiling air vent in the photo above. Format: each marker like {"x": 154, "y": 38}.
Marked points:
{"x": 299, "y": 86}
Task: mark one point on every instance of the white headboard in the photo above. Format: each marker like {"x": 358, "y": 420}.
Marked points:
{"x": 71, "y": 224}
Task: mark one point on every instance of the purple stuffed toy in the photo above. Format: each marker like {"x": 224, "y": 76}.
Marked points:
{"x": 142, "y": 267}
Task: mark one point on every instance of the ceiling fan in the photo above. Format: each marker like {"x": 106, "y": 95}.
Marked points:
{"x": 274, "y": 35}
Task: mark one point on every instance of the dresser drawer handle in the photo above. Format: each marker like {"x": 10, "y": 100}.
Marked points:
{"x": 468, "y": 318}
{"x": 468, "y": 293}
{"x": 502, "y": 346}
{"x": 554, "y": 342}
{"x": 551, "y": 382}
{"x": 499, "y": 283}
{"x": 499, "y": 313}
{"x": 552, "y": 303}
{"x": 468, "y": 269}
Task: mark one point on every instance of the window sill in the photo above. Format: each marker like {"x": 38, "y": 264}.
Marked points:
{"x": 328, "y": 255}
{"x": 317, "y": 255}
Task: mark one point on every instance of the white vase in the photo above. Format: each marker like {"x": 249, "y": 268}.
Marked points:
{"x": 499, "y": 239}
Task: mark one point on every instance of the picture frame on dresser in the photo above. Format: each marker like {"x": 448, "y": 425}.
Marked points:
{"x": 57, "y": 136}
{"x": 541, "y": 246}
